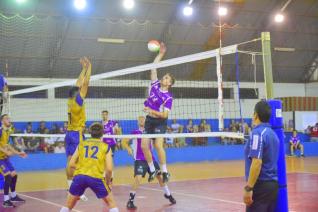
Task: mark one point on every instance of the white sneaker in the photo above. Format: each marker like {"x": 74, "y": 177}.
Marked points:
{"x": 84, "y": 198}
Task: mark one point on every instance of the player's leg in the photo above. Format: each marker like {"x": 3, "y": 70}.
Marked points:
{"x": 102, "y": 191}
{"x": 5, "y": 171}
{"x": 291, "y": 149}
{"x": 72, "y": 140}
{"x": 140, "y": 170}
{"x": 301, "y": 148}
{"x": 167, "y": 193}
{"x": 76, "y": 190}
{"x": 162, "y": 158}
{"x": 70, "y": 203}
{"x": 13, "y": 194}
{"x": 145, "y": 146}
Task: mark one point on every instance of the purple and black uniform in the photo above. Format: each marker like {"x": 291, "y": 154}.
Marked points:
{"x": 109, "y": 129}
{"x": 141, "y": 165}
{"x": 160, "y": 101}
{"x": 294, "y": 140}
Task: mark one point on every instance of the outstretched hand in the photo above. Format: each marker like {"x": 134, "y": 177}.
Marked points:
{"x": 163, "y": 48}
{"x": 85, "y": 62}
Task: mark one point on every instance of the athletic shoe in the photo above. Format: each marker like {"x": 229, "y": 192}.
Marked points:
{"x": 17, "y": 199}
{"x": 302, "y": 155}
{"x": 8, "y": 204}
{"x": 165, "y": 177}
{"x": 153, "y": 175}
{"x": 131, "y": 205}
{"x": 171, "y": 199}
{"x": 84, "y": 198}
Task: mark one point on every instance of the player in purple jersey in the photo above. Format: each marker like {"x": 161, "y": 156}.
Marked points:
{"x": 110, "y": 128}
{"x": 141, "y": 166}
{"x": 295, "y": 144}
{"x": 157, "y": 106}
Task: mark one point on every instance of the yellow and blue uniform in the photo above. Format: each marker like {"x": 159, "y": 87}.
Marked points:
{"x": 90, "y": 168}
{"x": 76, "y": 123}
{"x": 5, "y": 164}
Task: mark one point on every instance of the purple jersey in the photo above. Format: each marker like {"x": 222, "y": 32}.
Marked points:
{"x": 136, "y": 146}
{"x": 294, "y": 140}
{"x": 109, "y": 129}
{"x": 158, "y": 100}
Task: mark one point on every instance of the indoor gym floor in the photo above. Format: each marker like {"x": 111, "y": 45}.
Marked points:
{"x": 209, "y": 186}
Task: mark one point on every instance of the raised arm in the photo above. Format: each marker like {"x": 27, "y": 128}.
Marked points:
{"x": 159, "y": 57}
{"x": 83, "y": 79}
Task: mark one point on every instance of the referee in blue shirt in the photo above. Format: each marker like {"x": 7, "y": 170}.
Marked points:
{"x": 261, "y": 155}
{"x": 4, "y": 91}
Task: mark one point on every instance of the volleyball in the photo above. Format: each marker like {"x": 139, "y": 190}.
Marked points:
{"x": 153, "y": 46}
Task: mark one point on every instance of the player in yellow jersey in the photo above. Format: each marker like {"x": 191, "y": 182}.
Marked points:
{"x": 76, "y": 114}
{"x": 6, "y": 168}
{"x": 91, "y": 160}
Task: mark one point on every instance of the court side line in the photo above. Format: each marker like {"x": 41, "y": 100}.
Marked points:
{"x": 45, "y": 201}
{"x": 196, "y": 196}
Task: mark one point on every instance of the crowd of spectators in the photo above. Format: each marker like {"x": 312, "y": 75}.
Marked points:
{"x": 53, "y": 144}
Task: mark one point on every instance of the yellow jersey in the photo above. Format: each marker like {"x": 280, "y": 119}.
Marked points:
{"x": 91, "y": 159}
{"x": 76, "y": 113}
{"x": 4, "y": 140}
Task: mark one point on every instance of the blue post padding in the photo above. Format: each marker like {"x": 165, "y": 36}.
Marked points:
{"x": 276, "y": 122}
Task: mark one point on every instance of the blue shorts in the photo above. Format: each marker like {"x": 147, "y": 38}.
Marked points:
{"x": 82, "y": 182}
{"x": 6, "y": 166}
{"x": 72, "y": 139}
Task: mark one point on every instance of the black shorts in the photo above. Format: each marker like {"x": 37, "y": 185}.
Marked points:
{"x": 113, "y": 148}
{"x": 297, "y": 146}
{"x": 141, "y": 167}
{"x": 155, "y": 125}
{"x": 264, "y": 197}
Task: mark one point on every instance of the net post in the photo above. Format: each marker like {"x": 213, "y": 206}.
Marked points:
{"x": 276, "y": 122}
{"x": 220, "y": 92}
{"x": 267, "y": 64}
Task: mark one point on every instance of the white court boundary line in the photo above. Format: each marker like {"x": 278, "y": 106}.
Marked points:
{"x": 45, "y": 201}
{"x": 195, "y": 196}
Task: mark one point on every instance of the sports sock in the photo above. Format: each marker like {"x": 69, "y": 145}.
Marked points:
{"x": 113, "y": 210}
{"x": 164, "y": 167}
{"x": 151, "y": 166}
{"x": 13, "y": 184}
{"x": 64, "y": 209}
{"x": 167, "y": 191}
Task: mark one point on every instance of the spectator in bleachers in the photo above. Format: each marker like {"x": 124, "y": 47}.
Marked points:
{"x": 31, "y": 143}
{"x": 175, "y": 126}
{"x": 203, "y": 127}
{"x": 42, "y": 128}
{"x": 64, "y": 128}
{"x": 169, "y": 141}
{"x": 295, "y": 144}
{"x": 19, "y": 144}
{"x": 47, "y": 143}
{"x": 314, "y": 133}
{"x": 190, "y": 126}
{"x": 55, "y": 129}
{"x": 196, "y": 141}
{"x": 59, "y": 148}
{"x": 307, "y": 131}
{"x": 190, "y": 129}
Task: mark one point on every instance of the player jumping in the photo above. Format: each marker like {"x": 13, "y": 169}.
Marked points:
{"x": 157, "y": 106}
{"x": 91, "y": 160}
{"x": 76, "y": 115}
{"x": 141, "y": 166}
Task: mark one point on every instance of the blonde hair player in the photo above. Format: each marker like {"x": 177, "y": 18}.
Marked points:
{"x": 91, "y": 160}
{"x": 76, "y": 115}
{"x": 157, "y": 106}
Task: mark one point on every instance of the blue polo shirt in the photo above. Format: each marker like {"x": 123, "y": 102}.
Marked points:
{"x": 263, "y": 144}
{"x": 3, "y": 82}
